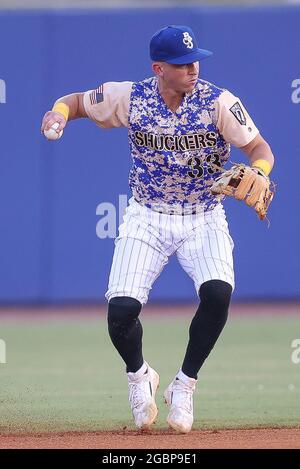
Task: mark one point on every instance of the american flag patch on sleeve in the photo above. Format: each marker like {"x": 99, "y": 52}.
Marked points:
{"x": 96, "y": 96}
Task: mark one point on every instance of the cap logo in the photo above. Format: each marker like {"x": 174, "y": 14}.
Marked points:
{"x": 188, "y": 40}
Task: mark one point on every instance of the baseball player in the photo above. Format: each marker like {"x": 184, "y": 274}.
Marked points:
{"x": 180, "y": 130}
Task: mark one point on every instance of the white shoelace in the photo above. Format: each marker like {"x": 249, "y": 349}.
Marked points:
{"x": 183, "y": 397}
{"x": 137, "y": 395}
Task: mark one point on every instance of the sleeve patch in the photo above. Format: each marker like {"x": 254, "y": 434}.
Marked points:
{"x": 238, "y": 113}
{"x": 96, "y": 96}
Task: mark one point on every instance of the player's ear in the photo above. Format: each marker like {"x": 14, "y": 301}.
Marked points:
{"x": 157, "y": 68}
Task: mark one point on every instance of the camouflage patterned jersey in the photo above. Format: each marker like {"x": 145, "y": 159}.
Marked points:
{"x": 176, "y": 155}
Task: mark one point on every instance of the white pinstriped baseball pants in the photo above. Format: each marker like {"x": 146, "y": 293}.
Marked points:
{"x": 147, "y": 238}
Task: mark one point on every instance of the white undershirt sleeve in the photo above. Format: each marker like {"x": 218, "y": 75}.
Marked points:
{"x": 233, "y": 121}
{"x": 108, "y": 105}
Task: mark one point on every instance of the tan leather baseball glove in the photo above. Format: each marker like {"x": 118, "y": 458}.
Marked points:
{"x": 247, "y": 184}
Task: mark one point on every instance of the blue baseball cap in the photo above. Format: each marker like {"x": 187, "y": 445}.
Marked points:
{"x": 176, "y": 45}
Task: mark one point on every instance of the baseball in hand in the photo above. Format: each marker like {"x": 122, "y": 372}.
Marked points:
{"x": 52, "y": 133}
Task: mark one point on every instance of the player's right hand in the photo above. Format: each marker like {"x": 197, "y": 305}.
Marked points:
{"x": 50, "y": 118}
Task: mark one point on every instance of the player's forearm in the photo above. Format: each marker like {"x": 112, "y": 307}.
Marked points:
{"x": 65, "y": 108}
{"x": 262, "y": 151}
{"x": 74, "y": 102}
{"x": 258, "y": 150}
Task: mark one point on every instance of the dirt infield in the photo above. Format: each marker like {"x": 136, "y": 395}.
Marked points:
{"x": 273, "y": 438}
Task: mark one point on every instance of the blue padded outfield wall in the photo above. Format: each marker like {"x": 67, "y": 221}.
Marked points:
{"x": 54, "y": 195}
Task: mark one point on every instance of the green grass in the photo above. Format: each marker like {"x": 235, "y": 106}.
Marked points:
{"x": 66, "y": 375}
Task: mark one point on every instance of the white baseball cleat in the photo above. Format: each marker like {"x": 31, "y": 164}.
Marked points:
{"x": 179, "y": 397}
{"x": 142, "y": 390}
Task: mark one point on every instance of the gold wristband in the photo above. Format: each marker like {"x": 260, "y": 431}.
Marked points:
{"x": 264, "y": 165}
{"x": 62, "y": 108}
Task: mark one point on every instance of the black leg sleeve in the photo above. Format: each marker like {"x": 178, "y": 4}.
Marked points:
{"x": 125, "y": 330}
{"x": 207, "y": 324}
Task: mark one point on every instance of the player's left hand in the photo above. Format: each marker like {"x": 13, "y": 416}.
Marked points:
{"x": 247, "y": 184}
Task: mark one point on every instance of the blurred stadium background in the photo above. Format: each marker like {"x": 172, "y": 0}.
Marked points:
{"x": 61, "y": 203}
